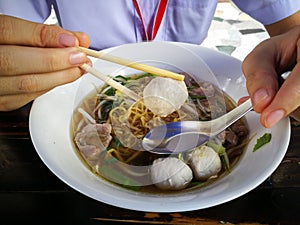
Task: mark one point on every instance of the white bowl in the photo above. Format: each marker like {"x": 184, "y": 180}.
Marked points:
{"x": 50, "y": 129}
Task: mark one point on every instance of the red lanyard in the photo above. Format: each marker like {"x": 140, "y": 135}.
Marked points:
{"x": 157, "y": 19}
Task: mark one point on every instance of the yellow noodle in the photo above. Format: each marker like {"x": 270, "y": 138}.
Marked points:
{"x": 113, "y": 152}
{"x": 133, "y": 156}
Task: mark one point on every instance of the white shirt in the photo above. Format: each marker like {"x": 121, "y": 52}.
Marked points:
{"x": 115, "y": 22}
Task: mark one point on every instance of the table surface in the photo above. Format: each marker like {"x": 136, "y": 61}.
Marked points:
{"x": 31, "y": 194}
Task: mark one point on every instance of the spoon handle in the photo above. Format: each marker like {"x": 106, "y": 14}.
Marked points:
{"x": 232, "y": 116}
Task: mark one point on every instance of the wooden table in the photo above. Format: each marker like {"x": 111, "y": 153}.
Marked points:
{"x": 31, "y": 194}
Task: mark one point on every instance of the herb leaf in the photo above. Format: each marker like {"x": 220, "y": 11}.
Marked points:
{"x": 266, "y": 138}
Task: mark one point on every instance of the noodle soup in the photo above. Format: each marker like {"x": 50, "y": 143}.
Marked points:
{"x": 108, "y": 129}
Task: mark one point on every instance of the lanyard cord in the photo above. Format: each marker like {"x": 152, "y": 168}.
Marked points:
{"x": 161, "y": 9}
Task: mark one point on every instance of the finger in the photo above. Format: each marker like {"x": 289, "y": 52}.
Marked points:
{"x": 37, "y": 82}
{"x": 296, "y": 114}
{"x": 261, "y": 76}
{"x": 243, "y": 99}
{"x": 285, "y": 101}
{"x": 84, "y": 39}
{"x": 12, "y": 102}
{"x": 37, "y": 60}
{"x": 21, "y": 32}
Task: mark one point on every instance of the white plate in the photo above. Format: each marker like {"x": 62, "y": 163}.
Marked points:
{"x": 50, "y": 125}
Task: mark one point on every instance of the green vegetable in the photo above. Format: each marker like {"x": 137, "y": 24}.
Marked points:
{"x": 195, "y": 183}
{"x": 218, "y": 148}
{"x": 221, "y": 150}
{"x": 145, "y": 75}
{"x": 110, "y": 92}
{"x": 116, "y": 143}
{"x": 111, "y": 174}
{"x": 124, "y": 79}
{"x": 225, "y": 162}
{"x": 121, "y": 79}
{"x": 200, "y": 97}
{"x": 105, "y": 112}
{"x": 266, "y": 138}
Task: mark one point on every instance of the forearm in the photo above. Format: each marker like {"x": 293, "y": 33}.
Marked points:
{"x": 284, "y": 25}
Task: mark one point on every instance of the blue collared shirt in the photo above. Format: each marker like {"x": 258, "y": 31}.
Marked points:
{"x": 115, "y": 22}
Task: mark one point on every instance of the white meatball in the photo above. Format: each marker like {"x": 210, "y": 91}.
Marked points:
{"x": 170, "y": 174}
{"x": 164, "y": 95}
{"x": 205, "y": 163}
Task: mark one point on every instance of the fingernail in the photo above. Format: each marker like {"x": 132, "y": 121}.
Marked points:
{"x": 274, "y": 117}
{"x": 77, "y": 58}
{"x": 67, "y": 40}
{"x": 89, "y": 63}
{"x": 260, "y": 95}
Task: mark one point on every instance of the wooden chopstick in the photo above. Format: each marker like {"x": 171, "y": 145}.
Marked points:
{"x": 132, "y": 64}
{"x": 111, "y": 82}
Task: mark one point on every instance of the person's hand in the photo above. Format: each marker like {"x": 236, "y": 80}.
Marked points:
{"x": 263, "y": 66}
{"x": 35, "y": 58}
